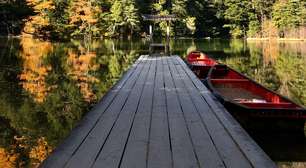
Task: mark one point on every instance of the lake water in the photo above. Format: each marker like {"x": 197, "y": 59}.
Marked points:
{"x": 46, "y": 87}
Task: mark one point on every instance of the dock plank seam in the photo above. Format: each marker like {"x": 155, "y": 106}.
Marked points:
{"x": 159, "y": 151}
{"x": 168, "y": 118}
{"x": 151, "y": 114}
{"x": 183, "y": 154}
{"x": 177, "y": 88}
{"x": 140, "y": 111}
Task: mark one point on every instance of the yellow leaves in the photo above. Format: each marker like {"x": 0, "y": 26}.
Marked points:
{"x": 81, "y": 65}
{"x": 44, "y": 5}
{"x": 12, "y": 158}
{"x": 35, "y": 23}
{"x": 34, "y": 71}
{"x": 7, "y": 160}
{"x": 40, "y": 5}
{"x": 83, "y": 13}
{"x": 191, "y": 24}
{"x": 40, "y": 152}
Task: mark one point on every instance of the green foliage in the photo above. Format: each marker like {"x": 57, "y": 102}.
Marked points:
{"x": 63, "y": 19}
{"x": 288, "y": 13}
{"x": 254, "y": 28}
{"x": 237, "y": 13}
{"x": 123, "y": 17}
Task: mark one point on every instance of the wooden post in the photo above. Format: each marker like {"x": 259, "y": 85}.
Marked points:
{"x": 168, "y": 30}
{"x": 151, "y": 38}
{"x": 167, "y": 48}
{"x": 150, "y": 30}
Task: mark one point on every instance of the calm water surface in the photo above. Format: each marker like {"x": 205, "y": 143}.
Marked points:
{"x": 46, "y": 87}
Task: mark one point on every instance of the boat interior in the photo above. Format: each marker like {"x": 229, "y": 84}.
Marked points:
{"x": 238, "y": 88}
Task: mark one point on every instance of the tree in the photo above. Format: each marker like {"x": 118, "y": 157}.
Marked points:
{"x": 237, "y": 13}
{"x": 285, "y": 14}
{"x": 39, "y": 24}
{"x": 83, "y": 18}
{"x": 123, "y": 17}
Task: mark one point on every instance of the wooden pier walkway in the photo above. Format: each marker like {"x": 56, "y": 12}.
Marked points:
{"x": 159, "y": 115}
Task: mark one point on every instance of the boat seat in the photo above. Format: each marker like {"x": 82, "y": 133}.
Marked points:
{"x": 229, "y": 80}
{"x": 269, "y": 105}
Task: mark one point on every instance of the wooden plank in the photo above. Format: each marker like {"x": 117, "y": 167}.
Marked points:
{"x": 159, "y": 115}
{"x": 248, "y": 146}
{"x": 65, "y": 150}
{"x": 159, "y": 152}
{"x": 203, "y": 145}
{"x": 135, "y": 154}
{"x": 229, "y": 151}
{"x": 182, "y": 150}
{"x": 111, "y": 152}
{"x": 90, "y": 147}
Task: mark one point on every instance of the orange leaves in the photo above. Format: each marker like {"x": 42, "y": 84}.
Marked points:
{"x": 81, "y": 64}
{"x": 7, "y": 159}
{"x": 40, "y": 152}
{"x": 35, "y": 23}
{"x": 37, "y": 153}
{"x": 34, "y": 71}
{"x": 44, "y": 5}
{"x": 80, "y": 16}
{"x": 83, "y": 15}
{"x": 83, "y": 11}
{"x": 40, "y": 5}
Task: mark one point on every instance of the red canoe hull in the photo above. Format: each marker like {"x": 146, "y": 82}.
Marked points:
{"x": 200, "y": 63}
{"x": 242, "y": 94}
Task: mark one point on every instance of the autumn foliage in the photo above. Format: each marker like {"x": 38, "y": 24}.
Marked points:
{"x": 81, "y": 64}
{"x": 7, "y": 159}
{"x": 39, "y": 23}
{"x": 83, "y": 17}
{"x": 35, "y": 71}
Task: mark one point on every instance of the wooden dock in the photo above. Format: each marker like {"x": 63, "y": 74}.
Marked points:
{"x": 158, "y": 115}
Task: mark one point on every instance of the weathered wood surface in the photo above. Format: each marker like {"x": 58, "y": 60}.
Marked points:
{"x": 158, "y": 115}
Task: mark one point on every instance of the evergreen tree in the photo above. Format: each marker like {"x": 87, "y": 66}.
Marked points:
{"x": 201, "y": 18}
{"x": 185, "y": 23}
{"x": 123, "y": 17}
{"x": 237, "y": 13}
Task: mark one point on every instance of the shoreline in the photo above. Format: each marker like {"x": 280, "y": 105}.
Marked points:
{"x": 205, "y": 38}
{"x": 276, "y": 39}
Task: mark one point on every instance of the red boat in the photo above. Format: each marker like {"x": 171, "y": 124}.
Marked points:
{"x": 247, "y": 99}
{"x": 200, "y": 63}
{"x": 198, "y": 58}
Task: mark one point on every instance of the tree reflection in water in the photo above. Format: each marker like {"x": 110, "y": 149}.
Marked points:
{"x": 47, "y": 87}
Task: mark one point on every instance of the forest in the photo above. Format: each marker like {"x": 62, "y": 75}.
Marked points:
{"x": 65, "y": 19}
